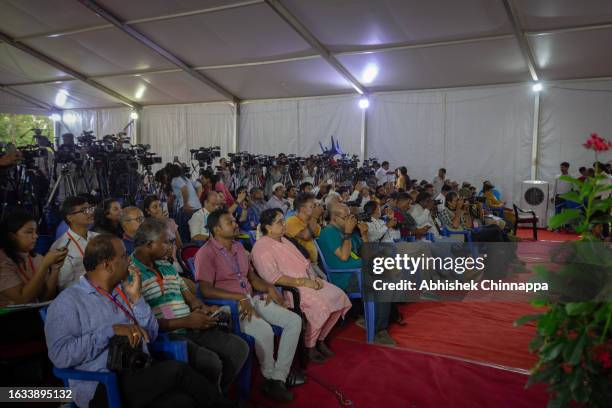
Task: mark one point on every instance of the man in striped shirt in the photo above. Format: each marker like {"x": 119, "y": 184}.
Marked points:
{"x": 215, "y": 353}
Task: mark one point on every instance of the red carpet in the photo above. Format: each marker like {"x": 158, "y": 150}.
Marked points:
{"x": 375, "y": 376}
{"x": 478, "y": 331}
{"x": 545, "y": 235}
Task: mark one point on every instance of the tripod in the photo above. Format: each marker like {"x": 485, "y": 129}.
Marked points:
{"x": 66, "y": 178}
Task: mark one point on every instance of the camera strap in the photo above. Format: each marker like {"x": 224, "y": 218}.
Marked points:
{"x": 129, "y": 313}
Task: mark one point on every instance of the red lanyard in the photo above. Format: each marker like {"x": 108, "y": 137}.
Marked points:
{"x": 159, "y": 279}
{"x": 130, "y": 313}
{"x": 75, "y": 243}
{"x": 23, "y": 271}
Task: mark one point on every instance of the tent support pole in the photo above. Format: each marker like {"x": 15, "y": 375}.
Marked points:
{"x": 534, "y": 138}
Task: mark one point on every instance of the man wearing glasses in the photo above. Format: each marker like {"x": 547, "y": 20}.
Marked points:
{"x": 78, "y": 213}
{"x": 130, "y": 220}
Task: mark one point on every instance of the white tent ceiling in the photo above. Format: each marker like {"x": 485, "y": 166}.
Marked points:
{"x": 149, "y": 52}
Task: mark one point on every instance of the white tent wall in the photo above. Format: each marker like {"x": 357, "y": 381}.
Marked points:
{"x": 297, "y": 126}
{"x": 476, "y": 134}
{"x": 101, "y": 121}
{"x": 12, "y": 104}
{"x": 570, "y": 112}
{"x": 172, "y": 130}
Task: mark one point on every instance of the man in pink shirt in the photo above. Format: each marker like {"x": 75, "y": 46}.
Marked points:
{"x": 224, "y": 272}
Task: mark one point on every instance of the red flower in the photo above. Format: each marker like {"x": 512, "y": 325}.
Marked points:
{"x": 602, "y": 353}
{"x": 597, "y": 143}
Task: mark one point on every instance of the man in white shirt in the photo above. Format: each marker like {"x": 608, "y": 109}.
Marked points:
{"x": 383, "y": 174}
{"x": 278, "y": 200}
{"x": 79, "y": 215}
{"x": 197, "y": 223}
{"x": 561, "y": 187}
{"x": 438, "y": 181}
{"x": 441, "y": 198}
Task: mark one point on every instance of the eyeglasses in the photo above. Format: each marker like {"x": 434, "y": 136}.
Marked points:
{"x": 86, "y": 210}
{"x": 139, "y": 219}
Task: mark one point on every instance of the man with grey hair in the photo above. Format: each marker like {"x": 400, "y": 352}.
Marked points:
{"x": 217, "y": 354}
{"x": 130, "y": 220}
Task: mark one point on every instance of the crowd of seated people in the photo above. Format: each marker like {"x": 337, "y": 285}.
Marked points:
{"x": 95, "y": 244}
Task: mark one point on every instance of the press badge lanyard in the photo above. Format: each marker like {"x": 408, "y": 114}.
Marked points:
{"x": 236, "y": 267}
{"x": 75, "y": 243}
{"x": 23, "y": 271}
{"x": 129, "y": 313}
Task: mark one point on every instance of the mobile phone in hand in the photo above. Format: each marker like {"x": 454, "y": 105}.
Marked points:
{"x": 216, "y": 313}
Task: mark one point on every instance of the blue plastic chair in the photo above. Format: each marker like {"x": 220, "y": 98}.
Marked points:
{"x": 176, "y": 350}
{"x": 368, "y": 306}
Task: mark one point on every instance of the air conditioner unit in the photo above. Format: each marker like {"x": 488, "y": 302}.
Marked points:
{"x": 534, "y": 197}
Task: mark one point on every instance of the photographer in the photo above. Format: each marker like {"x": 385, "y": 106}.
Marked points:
{"x": 213, "y": 352}
{"x": 456, "y": 217}
{"x": 100, "y": 310}
{"x": 440, "y": 199}
{"x": 304, "y": 225}
{"x": 245, "y": 214}
{"x": 406, "y": 224}
{"x": 187, "y": 201}
{"x": 380, "y": 229}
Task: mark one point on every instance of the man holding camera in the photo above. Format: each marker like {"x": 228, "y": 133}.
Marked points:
{"x": 215, "y": 353}
{"x": 85, "y": 319}
{"x": 405, "y": 222}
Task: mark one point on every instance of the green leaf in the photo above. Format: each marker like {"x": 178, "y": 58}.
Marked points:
{"x": 577, "y": 378}
{"x": 552, "y": 350}
{"x": 579, "y": 308}
{"x": 572, "y": 196}
{"x": 547, "y": 324}
{"x": 578, "y": 349}
{"x": 572, "y": 180}
{"x": 524, "y": 319}
{"x": 563, "y": 217}
{"x": 535, "y": 343}
{"x": 601, "y": 189}
{"x": 582, "y": 394}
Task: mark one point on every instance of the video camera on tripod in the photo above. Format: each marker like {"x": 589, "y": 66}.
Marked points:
{"x": 205, "y": 155}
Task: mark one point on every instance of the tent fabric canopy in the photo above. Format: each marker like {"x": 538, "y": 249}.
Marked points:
{"x": 248, "y": 49}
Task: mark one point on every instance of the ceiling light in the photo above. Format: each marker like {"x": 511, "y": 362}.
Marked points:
{"x": 134, "y": 115}
{"x": 61, "y": 97}
{"x": 55, "y": 117}
{"x": 364, "y": 103}
{"x": 537, "y": 87}
{"x": 369, "y": 73}
{"x": 140, "y": 91}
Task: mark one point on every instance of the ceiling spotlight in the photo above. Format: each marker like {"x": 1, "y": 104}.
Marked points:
{"x": 134, "y": 115}
{"x": 55, "y": 117}
{"x": 364, "y": 103}
{"x": 537, "y": 87}
{"x": 61, "y": 97}
{"x": 369, "y": 73}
